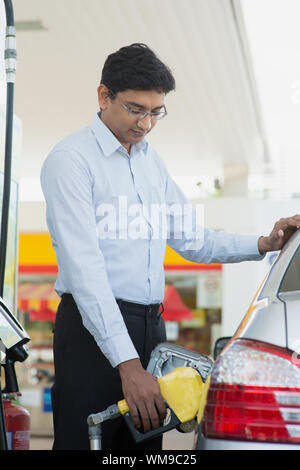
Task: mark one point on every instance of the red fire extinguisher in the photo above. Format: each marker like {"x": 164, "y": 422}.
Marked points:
{"x": 17, "y": 422}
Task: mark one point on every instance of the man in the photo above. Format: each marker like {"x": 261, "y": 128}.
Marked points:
{"x": 111, "y": 277}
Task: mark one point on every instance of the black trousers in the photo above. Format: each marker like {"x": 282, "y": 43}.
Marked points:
{"x": 86, "y": 383}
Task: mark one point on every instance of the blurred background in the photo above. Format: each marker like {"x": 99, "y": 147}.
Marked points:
{"x": 231, "y": 141}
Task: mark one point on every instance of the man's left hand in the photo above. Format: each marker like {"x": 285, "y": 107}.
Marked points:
{"x": 282, "y": 231}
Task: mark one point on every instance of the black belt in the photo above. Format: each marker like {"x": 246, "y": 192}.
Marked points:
{"x": 150, "y": 309}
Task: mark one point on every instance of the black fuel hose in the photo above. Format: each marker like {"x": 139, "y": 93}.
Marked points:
{"x": 10, "y": 56}
{"x": 9, "y": 11}
{"x": 10, "y": 59}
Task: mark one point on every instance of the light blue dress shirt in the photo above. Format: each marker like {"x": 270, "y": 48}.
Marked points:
{"x": 110, "y": 215}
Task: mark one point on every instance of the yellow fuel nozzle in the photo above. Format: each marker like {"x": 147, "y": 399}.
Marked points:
{"x": 181, "y": 389}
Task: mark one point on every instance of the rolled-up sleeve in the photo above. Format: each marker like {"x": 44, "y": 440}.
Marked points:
{"x": 67, "y": 186}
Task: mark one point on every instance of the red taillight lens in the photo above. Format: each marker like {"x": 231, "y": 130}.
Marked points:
{"x": 254, "y": 395}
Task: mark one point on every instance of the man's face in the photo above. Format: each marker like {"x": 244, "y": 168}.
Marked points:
{"x": 127, "y": 128}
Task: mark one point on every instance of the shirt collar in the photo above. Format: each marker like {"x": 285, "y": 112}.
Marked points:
{"x": 107, "y": 141}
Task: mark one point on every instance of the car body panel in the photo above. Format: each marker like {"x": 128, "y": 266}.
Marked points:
{"x": 279, "y": 267}
{"x": 223, "y": 444}
{"x": 273, "y": 317}
{"x": 266, "y": 323}
{"x": 292, "y": 310}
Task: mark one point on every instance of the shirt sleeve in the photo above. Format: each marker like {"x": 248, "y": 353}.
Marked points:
{"x": 67, "y": 187}
{"x": 189, "y": 238}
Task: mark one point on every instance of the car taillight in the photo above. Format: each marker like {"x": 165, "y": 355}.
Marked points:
{"x": 254, "y": 394}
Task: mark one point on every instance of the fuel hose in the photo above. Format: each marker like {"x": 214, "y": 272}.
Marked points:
{"x": 10, "y": 56}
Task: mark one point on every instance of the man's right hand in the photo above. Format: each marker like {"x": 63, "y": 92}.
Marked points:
{"x": 142, "y": 394}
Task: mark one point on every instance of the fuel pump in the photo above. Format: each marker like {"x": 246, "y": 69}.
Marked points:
{"x": 15, "y": 420}
{"x": 12, "y": 335}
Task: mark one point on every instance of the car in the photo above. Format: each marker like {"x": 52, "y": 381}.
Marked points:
{"x": 253, "y": 391}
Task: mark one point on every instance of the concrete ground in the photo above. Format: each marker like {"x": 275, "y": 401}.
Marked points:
{"x": 173, "y": 440}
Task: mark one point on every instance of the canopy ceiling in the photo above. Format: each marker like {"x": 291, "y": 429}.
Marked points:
{"x": 62, "y": 45}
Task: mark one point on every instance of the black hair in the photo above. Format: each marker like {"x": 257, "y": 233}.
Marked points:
{"x": 136, "y": 67}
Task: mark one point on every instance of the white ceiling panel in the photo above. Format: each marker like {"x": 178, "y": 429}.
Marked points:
{"x": 212, "y": 119}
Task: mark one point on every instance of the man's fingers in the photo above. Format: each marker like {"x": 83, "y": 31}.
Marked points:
{"x": 135, "y": 416}
{"x": 142, "y": 393}
{"x": 294, "y": 221}
{"x": 150, "y": 415}
{"x": 161, "y": 408}
{"x": 288, "y": 225}
{"x": 288, "y": 222}
{"x": 156, "y": 412}
{"x": 144, "y": 414}
{"x": 140, "y": 416}
{"x": 297, "y": 219}
{"x": 282, "y": 231}
{"x": 154, "y": 416}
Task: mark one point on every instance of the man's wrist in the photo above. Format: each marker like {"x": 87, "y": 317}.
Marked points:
{"x": 127, "y": 366}
{"x": 263, "y": 245}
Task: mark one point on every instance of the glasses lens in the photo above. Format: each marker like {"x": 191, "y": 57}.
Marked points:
{"x": 136, "y": 114}
{"x": 158, "y": 116}
{"x": 141, "y": 115}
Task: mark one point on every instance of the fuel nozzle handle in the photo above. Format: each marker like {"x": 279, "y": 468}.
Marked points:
{"x": 17, "y": 353}
{"x": 11, "y": 382}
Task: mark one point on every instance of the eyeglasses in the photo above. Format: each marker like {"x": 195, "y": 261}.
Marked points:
{"x": 138, "y": 115}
